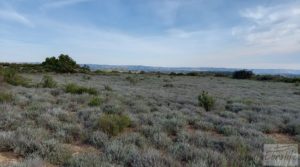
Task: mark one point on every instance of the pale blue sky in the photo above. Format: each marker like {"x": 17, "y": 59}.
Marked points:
{"x": 190, "y": 33}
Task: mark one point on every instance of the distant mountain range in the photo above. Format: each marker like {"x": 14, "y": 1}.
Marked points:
{"x": 284, "y": 72}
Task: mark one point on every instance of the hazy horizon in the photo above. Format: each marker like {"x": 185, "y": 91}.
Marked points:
{"x": 258, "y": 34}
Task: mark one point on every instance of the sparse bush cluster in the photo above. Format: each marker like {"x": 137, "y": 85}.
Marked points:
{"x": 27, "y": 142}
{"x": 76, "y": 89}
{"x": 12, "y": 77}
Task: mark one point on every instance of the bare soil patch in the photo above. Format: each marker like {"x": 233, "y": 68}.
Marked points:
{"x": 9, "y": 158}
{"x": 81, "y": 148}
{"x": 282, "y": 138}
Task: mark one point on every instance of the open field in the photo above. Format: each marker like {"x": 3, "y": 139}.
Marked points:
{"x": 166, "y": 126}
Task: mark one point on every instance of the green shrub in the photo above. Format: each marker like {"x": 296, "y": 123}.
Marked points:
{"x": 98, "y": 139}
{"x": 206, "y": 101}
{"x": 87, "y": 160}
{"x": 55, "y": 152}
{"x": 12, "y": 77}
{"x": 5, "y": 97}
{"x": 242, "y": 74}
{"x": 48, "y": 82}
{"x": 226, "y": 130}
{"x": 113, "y": 124}
{"x": 76, "y": 89}
{"x": 95, "y": 101}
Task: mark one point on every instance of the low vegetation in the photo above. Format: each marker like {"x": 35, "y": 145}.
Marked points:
{"x": 107, "y": 88}
{"x": 12, "y": 77}
{"x": 157, "y": 122}
{"x": 5, "y": 97}
{"x": 48, "y": 82}
{"x": 95, "y": 101}
{"x": 206, "y": 101}
{"x": 132, "y": 80}
{"x": 113, "y": 124}
{"x": 76, "y": 89}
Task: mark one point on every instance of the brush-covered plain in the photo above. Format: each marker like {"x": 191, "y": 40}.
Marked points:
{"x": 135, "y": 120}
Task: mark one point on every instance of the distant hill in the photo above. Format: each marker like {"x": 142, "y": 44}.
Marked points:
{"x": 284, "y": 72}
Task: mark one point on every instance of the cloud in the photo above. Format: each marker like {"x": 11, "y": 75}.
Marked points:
{"x": 276, "y": 26}
{"x": 61, "y": 3}
{"x": 167, "y": 10}
{"x": 13, "y": 16}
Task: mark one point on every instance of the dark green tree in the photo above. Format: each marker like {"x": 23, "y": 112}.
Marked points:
{"x": 242, "y": 74}
{"x": 67, "y": 64}
{"x": 62, "y": 64}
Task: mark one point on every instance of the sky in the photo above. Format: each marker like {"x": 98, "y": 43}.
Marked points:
{"x": 170, "y": 33}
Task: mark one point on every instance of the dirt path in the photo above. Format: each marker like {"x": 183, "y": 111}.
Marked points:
{"x": 282, "y": 138}
{"x": 9, "y": 158}
{"x": 77, "y": 149}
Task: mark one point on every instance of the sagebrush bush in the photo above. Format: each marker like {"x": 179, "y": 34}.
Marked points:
{"x": 120, "y": 153}
{"x": 160, "y": 140}
{"x": 111, "y": 109}
{"x": 87, "y": 160}
{"x": 184, "y": 152}
{"x": 55, "y": 152}
{"x": 6, "y": 140}
{"x": 95, "y": 101}
{"x": 48, "y": 82}
{"x": 12, "y": 77}
{"x": 206, "y": 101}
{"x": 133, "y": 138}
{"x": 72, "y": 132}
{"x": 76, "y": 89}
{"x": 226, "y": 130}
{"x": 6, "y": 97}
{"x": 98, "y": 139}
{"x": 113, "y": 124}
{"x": 152, "y": 157}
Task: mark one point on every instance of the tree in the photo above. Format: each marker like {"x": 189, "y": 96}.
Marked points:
{"x": 62, "y": 64}
{"x": 51, "y": 63}
{"x": 242, "y": 74}
{"x": 67, "y": 64}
